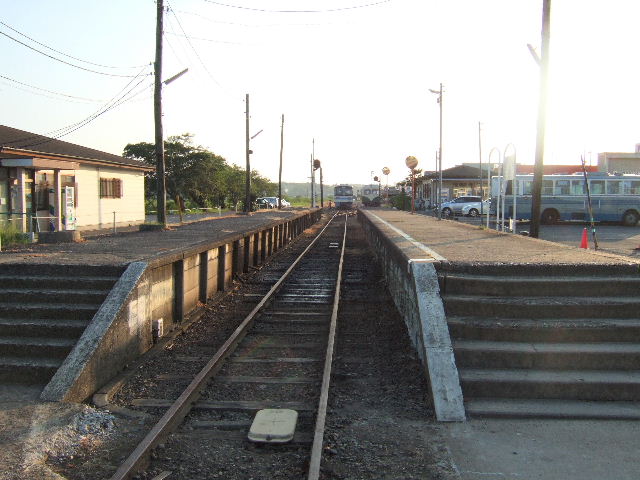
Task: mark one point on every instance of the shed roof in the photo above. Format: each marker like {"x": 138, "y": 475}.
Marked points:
{"x": 20, "y": 143}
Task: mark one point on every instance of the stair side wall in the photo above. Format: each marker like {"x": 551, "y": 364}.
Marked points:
{"x": 413, "y": 284}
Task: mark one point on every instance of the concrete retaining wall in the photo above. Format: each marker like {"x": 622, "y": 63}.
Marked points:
{"x": 168, "y": 287}
{"x": 413, "y": 283}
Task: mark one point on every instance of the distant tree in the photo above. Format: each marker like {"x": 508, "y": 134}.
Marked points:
{"x": 195, "y": 173}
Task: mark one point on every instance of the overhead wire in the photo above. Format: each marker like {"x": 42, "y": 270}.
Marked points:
{"x": 327, "y": 10}
{"x": 117, "y": 100}
{"x": 64, "y": 61}
{"x": 74, "y": 97}
{"x": 65, "y": 54}
{"x": 193, "y": 48}
{"x": 82, "y": 123}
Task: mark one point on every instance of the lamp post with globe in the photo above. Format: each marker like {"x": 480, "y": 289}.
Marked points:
{"x": 412, "y": 162}
{"x": 386, "y": 172}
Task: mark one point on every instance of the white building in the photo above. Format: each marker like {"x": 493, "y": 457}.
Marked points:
{"x": 51, "y": 185}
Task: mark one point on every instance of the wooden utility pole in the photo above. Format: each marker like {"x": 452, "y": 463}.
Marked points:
{"x": 480, "y": 159}
{"x": 247, "y": 178}
{"x": 280, "y": 172}
{"x": 313, "y": 175}
{"x": 321, "y": 190}
{"x": 161, "y": 196}
{"x": 538, "y": 170}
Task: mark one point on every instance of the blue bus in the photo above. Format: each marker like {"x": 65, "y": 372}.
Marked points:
{"x": 343, "y": 196}
{"x": 614, "y": 198}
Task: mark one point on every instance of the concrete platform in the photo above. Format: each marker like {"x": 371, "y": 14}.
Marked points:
{"x": 459, "y": 242}
{"x": 126, "y": 247}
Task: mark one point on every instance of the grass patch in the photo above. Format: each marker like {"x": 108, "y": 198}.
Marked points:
{"x": 10, "y": 235}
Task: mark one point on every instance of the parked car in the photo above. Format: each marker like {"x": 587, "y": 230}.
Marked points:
{"x": 455, "y": 206}
{"x": 264, "y": 202}
{"x": 472, "y": 209}
{"x": 271, "y": 202}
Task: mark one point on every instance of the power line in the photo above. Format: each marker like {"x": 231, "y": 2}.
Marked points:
{"x": 65, "y": 62}
{"x": 114, "y": 102}
{"x": 62, "y": 53}
{"x": 193, "y": 48}
{"x": 50, "y": 91}
{"x": 82, "y": 123}
{"x": 254, "y": 25}
{"x": 367, "y": 5}
{"x": 208, "y": 39}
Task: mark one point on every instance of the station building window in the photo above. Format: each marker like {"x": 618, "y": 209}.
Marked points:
{"x": 110, "y": 188}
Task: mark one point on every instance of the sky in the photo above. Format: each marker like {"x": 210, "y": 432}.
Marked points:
{"x": 352, "y": 78}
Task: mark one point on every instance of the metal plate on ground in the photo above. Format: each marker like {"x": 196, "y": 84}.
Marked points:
{"x": 272, "y": 425}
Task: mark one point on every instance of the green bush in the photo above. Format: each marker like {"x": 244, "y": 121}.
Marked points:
{"x": 10, "y": 235}
{"x": 401, "y": 202}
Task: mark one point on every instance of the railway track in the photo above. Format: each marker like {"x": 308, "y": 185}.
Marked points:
{"x": 279, "y": 358}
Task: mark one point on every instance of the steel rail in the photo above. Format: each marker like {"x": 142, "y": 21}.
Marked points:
{"x": 318, "y": 435}
{"x": 181, "y": 407}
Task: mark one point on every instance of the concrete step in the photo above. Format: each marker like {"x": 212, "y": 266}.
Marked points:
{"x": 44, "y": 327}
{"x": 85, "y": 296}
{"x": 57, "y": 281}
{"x": 46, "y": 310}
{"x": 545, "y": 356}
{"x": 511, "y": 286}
{"x": 539, "y": 269}
{"x": 542, "y": 307}
{"x": 581, "y": 330}
{"x": 27, "y": 369}
{"x": 561, "y": 409}
{"x": 53, "y": 269}
{"x": 36, "y": 347}
{"x": 559, "y": 384}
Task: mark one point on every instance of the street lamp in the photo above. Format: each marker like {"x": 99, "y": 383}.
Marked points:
{"x": 386, "y": 172}
{"x": 412, "y": 162}
{"x": 439, "y": 199}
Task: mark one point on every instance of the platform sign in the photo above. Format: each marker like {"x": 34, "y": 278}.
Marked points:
{"x": 69, "y": 208}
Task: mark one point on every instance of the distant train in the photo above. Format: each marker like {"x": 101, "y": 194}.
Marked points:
{"x": 343, "y": 196}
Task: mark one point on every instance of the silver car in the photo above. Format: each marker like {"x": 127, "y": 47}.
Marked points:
{"x": 467, "y": 205}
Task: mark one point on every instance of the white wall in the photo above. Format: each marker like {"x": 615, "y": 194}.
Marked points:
{"x": 95, "y": 212}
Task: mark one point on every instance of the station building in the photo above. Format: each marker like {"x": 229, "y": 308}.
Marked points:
{"x": 50, "y": 185}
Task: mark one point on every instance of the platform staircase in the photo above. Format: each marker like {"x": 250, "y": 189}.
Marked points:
{"x": 554, "y": 341}
{"x": 43, "y": 311}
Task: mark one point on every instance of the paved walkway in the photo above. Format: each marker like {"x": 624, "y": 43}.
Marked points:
{"x": 459, "y": 242}
{"x": 125, "y": 247}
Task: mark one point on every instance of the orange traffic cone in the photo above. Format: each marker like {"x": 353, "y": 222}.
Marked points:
{"x": 585, "y": 242}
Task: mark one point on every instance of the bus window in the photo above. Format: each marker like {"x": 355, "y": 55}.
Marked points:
{"x": 632, "y": 187}
{"x": 547, "y": 187}
{"x": 527, "y": 187}
{"x": 561, "y": 188}
{"x": 613, "y": 187}
{"x": 577, "y": 187}
{"x": 596, "y": 187}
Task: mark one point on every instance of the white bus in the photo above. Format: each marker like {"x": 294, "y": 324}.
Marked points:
{"x": 614, "y": 198}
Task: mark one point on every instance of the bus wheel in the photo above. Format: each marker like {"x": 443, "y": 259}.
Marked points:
{"x": 630, "y": 218}
{"x": 550, "y": 217}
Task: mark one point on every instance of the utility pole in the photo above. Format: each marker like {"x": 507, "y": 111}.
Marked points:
{"x": 313, "y": 176}
{"x": 538, "y": 170}
{"x": 439, "y": 199}
{"x": 247, "y": 178}
{"x": 161, "y": 195}
{"x": 321, "y": 191}
{"x": 480, "y": 158}
{"x": 280, "y": 171}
